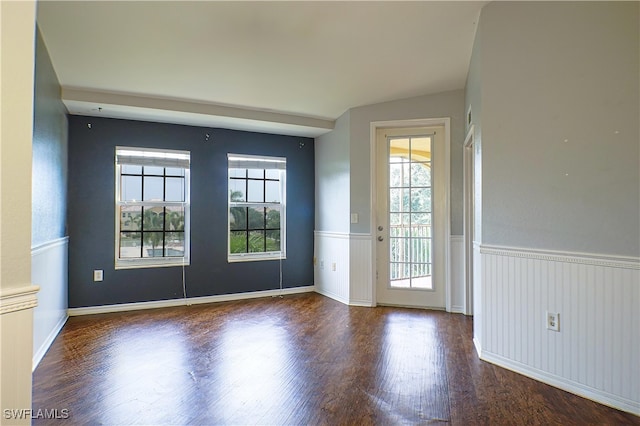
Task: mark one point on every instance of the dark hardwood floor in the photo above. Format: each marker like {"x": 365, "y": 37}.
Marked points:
{"x": 302, "y": 359}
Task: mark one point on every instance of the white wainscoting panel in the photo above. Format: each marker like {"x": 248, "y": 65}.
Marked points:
{"x": 596, "y": 352}
{"x": 477, "y": 298}
{"x": 49, "y": 271}
{"x": 456, "y": 274}
{"x": 332, "y": 249}
{"x": 361, "y": 279}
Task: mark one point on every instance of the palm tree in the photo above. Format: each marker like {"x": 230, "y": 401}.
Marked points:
{"x": 153, "y": 227}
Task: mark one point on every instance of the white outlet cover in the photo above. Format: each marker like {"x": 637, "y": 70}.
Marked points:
{"x": 97, "y": 275}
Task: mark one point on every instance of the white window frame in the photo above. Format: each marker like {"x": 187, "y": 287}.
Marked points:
{"x": 241, "y": 161}
{"x": 156, "y": 158}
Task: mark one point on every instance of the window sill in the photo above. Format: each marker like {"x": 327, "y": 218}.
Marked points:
{"x": 137, "y": 264}
{"x": 254, "y": 258}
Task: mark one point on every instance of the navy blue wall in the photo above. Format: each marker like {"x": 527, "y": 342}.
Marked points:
{"x": 91, "y": 213}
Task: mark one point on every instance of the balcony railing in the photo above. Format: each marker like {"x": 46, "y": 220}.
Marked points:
{"x": 410, "y": 247}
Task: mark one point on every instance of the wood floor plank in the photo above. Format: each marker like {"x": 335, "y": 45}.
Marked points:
{"x": 302, "y": 359}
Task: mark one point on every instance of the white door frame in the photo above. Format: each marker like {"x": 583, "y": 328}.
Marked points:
{"x": 469, "y": 159}
{"x": 423, "y": 122}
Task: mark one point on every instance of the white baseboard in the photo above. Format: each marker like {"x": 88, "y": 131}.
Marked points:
{"x": 42, "y": 350}
{"x": 457, "y": 309}
{"x": 476, "y": 344}
{"x": 331, "y": 295}
{"x": 588, "y": 392}
{"x": 122, "y": 307}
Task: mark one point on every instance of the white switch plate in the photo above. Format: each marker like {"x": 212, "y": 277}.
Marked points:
{"x": 354, "y": 217}
{"x": 97, "y": 275}
{"x": 553, "y": 321}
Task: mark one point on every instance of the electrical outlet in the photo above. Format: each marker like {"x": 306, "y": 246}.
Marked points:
{"x": 333, "y": 266}
{"x": 321, "y": 264}
{"x": 553, "y": 321}
{"x": 97, "y": 275}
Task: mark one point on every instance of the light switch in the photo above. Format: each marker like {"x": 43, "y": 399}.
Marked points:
{"x": 354, "y": 217}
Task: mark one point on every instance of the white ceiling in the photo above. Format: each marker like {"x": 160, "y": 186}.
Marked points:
{"x": 280, "y": 67}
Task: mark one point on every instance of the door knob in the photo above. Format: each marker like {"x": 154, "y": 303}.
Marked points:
{"x": 380, "y": 228}
{"x": 380, "y": 238}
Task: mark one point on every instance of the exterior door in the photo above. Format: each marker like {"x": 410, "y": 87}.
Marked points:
{"x": 409, "y": 237}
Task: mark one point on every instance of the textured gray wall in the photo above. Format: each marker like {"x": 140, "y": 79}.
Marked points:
{"x": 332, "y": 178}
{"x": 560, "y": 126}
{"x": 447, "y": 104}
{"x": 49, "y": 169}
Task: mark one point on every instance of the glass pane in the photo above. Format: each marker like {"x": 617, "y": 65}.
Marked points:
{"x": 395, "y": 219}
{"x": 237, "y": 188}
{"x": 171, "y": 171}
{"x": 238, "y": 242}
{"x": 131, "y": 188}
{"x": 256, "y": 241}
{"x": 130, "y": 244}
{"x": 400, "y": 272}
{"x": 420, "y": 231}
{"x": 418, "y": 219}
{"x": 152, "y": 244}
{"x": 273, "y": 240}
{"x": 273, "y": 218}
{"x": 256, "y": 217}
{"x": 420, "y": 250}
{"x": 273, "y": 191}
{"x": 421, "y": 149}
{"x": 420, "y": 270}
{"x": 421, "y": 200}
{"x": 398, "y": 248}
{"x": 153, "y": 189}
{"x": 174, "y": 218}
{"x": 256, "y": 173}
{"x": 153, "y": 219}
{"x": 131, "y": 170}
{"x": 256, "y": 191}
{"x": 395, "y": 198}
{"x": 238, "y": 218}
{"x": 174, "y": 190}
{"x": 174, "y": 244}
{"x": 238, "y": 173}
{"x": 398, "y": 174}
{"x": 150, "y": 170}
{"x": 398, "y": 150}
{"x": 130, "y": 218}
{"x": 272, "y": 174}
{"x": 405, "y": 200}
{"x": 420, "y": 174}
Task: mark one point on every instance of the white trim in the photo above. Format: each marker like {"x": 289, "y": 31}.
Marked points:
{"x": 37, "y": 357}
{"x": 478, "y": 346}
{"x": 594, "y": 259}
{"x": 333, "y": 296}
{"x": 123, "y": 307}
{"x": 468, "y": 193}
{"x": 559, "y": 382}
{"x": 35, "y": 250}
{"x": 329, "y": 234}
{"x": 18, "y": 298}
{"x": 420, "y": 122}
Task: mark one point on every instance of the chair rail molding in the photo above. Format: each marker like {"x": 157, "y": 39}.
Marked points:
{"x": 14, "y": 299}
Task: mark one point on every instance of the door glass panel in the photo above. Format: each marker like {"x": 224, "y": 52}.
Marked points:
{"x": 410, "y": 212}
